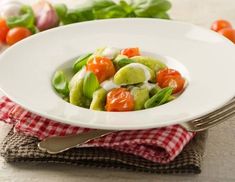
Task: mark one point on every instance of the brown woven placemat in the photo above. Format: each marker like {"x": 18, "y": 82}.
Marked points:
{"x": 21, "y": 148}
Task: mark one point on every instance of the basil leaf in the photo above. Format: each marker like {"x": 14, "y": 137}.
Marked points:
{"x": 91, "y": 84}
{"x": 80, "y": 62}
{"x": 150, "y": 8}
{"x": 159, "y": 98}
{"x": 126, "y": 6}
{"x": 61, "y": 10}
{"x": 104, "y": 9}
{"x": 60, "y": 83}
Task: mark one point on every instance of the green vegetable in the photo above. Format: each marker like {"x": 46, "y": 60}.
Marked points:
{"x": 123, "y": 62}
{"x": 127, "y": 7}
{"x": 80, "y": 62}
{"x": 159, "y": 98}
{"x": 103, "y": 9}
{"x": 60, "y": 83}
{"x": 61, "y": 10}
{"x": 82, "y": 13}
{"x": 151, "y": 8}
{"x": 91, "y": 84}
{"x": 26, "y": 19}
{"x": 154, "y": 90}
{"x": 129, "y": 75}
{"x": 150, "y": 62}
{"x": 171, "y": 98}
{"x": 76, "y": 95}
{"x": 98, "y": 101}
{"x": 141, "y": 95}
{"x": 79, "y": 75}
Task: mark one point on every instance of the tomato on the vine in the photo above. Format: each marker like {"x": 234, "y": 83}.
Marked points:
{"x": 119, "y": 99}
{"x": 3, "y": 30}
{"x": 102, "y": 67}
{"x": 16, "y": 34}
{"x": 220, "y": 24}
{"x": 228, "y": 33}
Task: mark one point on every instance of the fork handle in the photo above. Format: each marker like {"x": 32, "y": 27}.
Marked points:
{"x": 55, "y": 145}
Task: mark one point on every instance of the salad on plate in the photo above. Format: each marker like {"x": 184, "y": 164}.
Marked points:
{"x": 116, "y": 80}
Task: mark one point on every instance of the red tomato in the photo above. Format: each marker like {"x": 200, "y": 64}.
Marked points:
{"x": 220, "y": 24}
{"x": 131, "y": 52}
{"x": 175, "y": 82}
{"x": 3, "y": 30}
{"x": 102, "y": 67}
{"x": 166, "y": 73}
{"x": 119, "y": 99}
{"x": 229, "y": 33}
{"x": 16, "y": 34}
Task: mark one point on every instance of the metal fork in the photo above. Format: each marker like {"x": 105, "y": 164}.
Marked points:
{"x": 55, "y": 145}
{"x": 212, "y": 119}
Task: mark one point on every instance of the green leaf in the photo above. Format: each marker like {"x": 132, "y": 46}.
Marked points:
{"x": 159, "y": 98}
{"x": 61, "y": 10}
{"x": 80, "y": 62}
{"x": 126, "y": 7}
{"x": 60, "y": 83}
{"x": 162, "y": 15}
{"x": 91, "y": 84}
{"x": 85, "y": 13}
{"x": 150, "y": 8}
{"x": 104, "y": 9}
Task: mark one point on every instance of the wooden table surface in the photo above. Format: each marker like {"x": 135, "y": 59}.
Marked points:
{"x": 219, "y": 159}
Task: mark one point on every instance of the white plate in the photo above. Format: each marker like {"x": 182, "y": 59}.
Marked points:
{"x": 205, "y": 58}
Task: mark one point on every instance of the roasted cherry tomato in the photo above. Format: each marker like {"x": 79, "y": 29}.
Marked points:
{"x": 3, "y": 30}
{"x": 175, "y": 82}
{"x": 16, "y": 34}
{"x": 131, "y": 52}
{"x": 119, "y": 99}
{"x": 220, "y": 24}
{"x": 229, "y": 33}
{"x": 102, "y": 67}
{"x": 162, "y": 74}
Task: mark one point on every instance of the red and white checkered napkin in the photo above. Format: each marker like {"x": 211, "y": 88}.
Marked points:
{"x": 160, "y": 145}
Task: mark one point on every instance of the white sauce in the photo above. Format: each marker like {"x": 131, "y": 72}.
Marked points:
{"x": 149, "y": 86}
{"x": 78, "y": 76}
{"x": 143, "y": 67}
{"x": 110, "y": 52}
{"x": 9, "y": 9}
{"x": 109, "y": 85}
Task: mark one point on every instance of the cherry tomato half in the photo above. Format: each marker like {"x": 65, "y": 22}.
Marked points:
{"x": 131, "y": 52}
{"x": 3, "y": 30}
{"x": 229, "y": 33}
{"x": 175, "y": 82}
{"x": 119, "y": 99}
{"x": 16, "y": 34}
{"x": 162, "y": 74}
{"x": 220, "y": 24}
{"x": 102, "y": 67}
